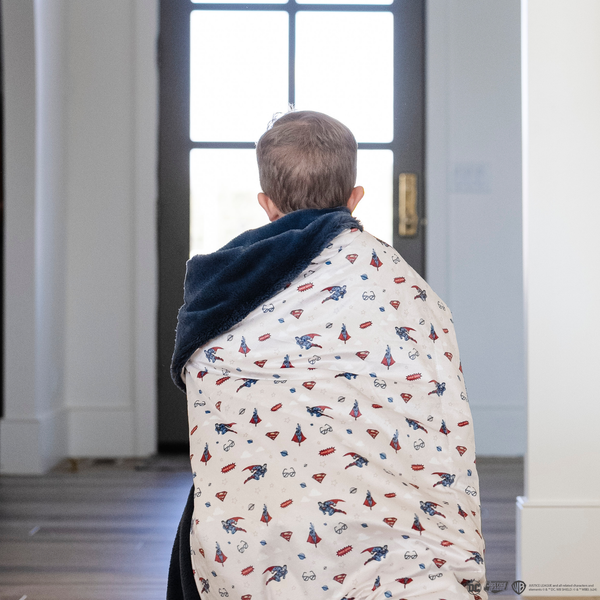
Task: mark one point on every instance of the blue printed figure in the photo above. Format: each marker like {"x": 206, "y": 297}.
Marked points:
{"x": 223, "y": 428}
{"x": 433, "y": 335}
{"x": 422, "y": 294}
{"x": 265, "y": 517}
{"x": 440, "y": 388}
{"x": 298, "y": 437}
{"x": 286, "y": 363}
{"x": 443, "y": 428}
{"x": 247, "y": 382}
{"x": 415, "y": 424}
{"x": 347, "y": 375}
{"x": 476, "y": 557}
{"x": 211, "y": 354}
{"x": 220, "y": 557}
{"x": 369, "y": 501}
{"x": 388, "y": 360}
{"x": 230, "y": 525}
{"x": 306, "y": 341}
{"x": 355, "y": 412}
{"x": 417, "y": 525}
{"x": 395, "y": 444}
{"x": 336, "y": 292}
{"x": 344, "y": 335}
{"x": 277, "y": 573}
{"x": 429, "y": 509}
{"x": 375, "y": 262}
{"x": 317, "y": 411}
{"x": 359, "y": 461}
{"x": 446, "y": 479}
{"x": 255, "y": 419}
{"x": 206, "y": 455}
{"x": 329, "y": 507}
{"x": 205, "y": 585}
{"x": 404, "y": 335}
{"x": 313, "y": 537}
{"x": 244, "y": 347}
{"x": 378, "y": 553}
{"x": 257, "y": 471}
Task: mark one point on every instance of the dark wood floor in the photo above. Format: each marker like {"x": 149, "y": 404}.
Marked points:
{"x": 500, "y": 482}
{"x": 104, "y": 531}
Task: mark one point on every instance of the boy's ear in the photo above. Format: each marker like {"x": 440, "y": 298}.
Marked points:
{"x": 355, "y": 197}
{"x": 269, "y": 207}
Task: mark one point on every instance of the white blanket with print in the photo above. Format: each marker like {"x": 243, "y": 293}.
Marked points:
{"x": 332, "y": 442}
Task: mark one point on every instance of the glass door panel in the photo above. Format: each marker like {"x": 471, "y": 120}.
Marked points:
{"x": 375, "y": 174}
{"x": 343, "y": 1}
{"x": 246, "y": 2}
{"x": 223, "y": 203}
{"x": 238, "y": 73}
{"x": 344, "y": 67}
{"x": 222, "y": 206}
{"x": 239, "y": 77}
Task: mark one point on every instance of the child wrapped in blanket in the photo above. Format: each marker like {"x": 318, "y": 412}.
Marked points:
{"x": 330, "y": 434}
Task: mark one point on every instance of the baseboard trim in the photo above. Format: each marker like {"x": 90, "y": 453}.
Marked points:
{"x": 549, "y": 535}
{"x": 32, "y": 445}
{"x": 101, "y": 432}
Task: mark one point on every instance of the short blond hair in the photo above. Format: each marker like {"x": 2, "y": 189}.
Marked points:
{"x": 307, "y": 159}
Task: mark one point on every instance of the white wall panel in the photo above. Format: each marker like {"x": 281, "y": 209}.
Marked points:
{"x": 473, "y": 187}
{"x": 80, "y": 85}
{"x": 561, "y": 140}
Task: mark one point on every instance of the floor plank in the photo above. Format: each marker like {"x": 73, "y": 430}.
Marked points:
{"x": 103, "y": 530}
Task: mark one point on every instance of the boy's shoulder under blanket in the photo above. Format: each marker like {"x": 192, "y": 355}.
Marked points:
{"x": 332, "y": 442}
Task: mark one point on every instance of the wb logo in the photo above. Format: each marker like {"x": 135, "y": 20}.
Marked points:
{"x": 518, "y": 587}
{"x": 474, "y": 587}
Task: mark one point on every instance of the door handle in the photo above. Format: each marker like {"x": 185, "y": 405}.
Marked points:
{"x": 407, "y": 201}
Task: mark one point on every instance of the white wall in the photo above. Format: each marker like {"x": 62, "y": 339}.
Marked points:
{"x": 80, "y": 84}
{"x": 559, "y": 518}
{"x": 110, "y": 222}
{"x": 50, "y": 226}
{"x": 473, "y": 187}
{"x": 22, "y": 431}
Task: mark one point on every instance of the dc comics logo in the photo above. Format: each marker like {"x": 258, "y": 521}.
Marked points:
{"x": 474, "y": 587}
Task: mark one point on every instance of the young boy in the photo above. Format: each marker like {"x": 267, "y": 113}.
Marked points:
{"x": 330, "y": 434}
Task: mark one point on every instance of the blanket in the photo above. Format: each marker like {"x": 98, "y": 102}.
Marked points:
{"x": 331, "y": 438}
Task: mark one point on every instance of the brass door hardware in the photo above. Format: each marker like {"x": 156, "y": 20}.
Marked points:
{"x": 409, "y": 219}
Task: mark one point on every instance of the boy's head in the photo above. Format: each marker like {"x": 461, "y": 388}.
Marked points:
{"x": 307, "y": 159}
